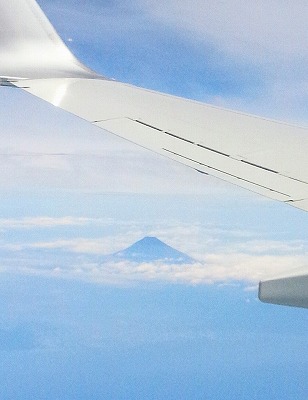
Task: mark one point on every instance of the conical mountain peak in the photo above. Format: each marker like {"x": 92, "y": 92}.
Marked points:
{"x": 151, "y": 249}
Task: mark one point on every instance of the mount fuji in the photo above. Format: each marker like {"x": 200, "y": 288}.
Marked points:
{"x": 151, "y": 249}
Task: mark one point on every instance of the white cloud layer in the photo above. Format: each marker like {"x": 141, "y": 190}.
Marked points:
{"x": 222, "y": 254}
{"x": 216, "y": 268}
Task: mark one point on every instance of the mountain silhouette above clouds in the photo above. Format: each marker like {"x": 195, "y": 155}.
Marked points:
{"x": 151, "y": 249}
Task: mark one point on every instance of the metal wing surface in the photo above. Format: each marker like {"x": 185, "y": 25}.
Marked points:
{"x": 264, "y": 156}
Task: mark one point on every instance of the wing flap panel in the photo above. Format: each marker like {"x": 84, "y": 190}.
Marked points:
{"x": 213, "y": 162}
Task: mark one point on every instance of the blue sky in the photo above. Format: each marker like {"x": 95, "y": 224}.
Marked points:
{"x": 70, "y": 193}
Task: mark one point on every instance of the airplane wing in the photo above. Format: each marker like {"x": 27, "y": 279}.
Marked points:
{"x": 267, "y": 157}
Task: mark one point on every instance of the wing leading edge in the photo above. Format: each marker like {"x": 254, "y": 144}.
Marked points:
{"x": 267, "y": 157}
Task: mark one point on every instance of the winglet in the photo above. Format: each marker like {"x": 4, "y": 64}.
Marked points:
{"x": 30, "y": 47}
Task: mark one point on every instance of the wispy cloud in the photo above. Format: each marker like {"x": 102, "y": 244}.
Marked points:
{"x": 268, "y": 35}
{"x": 98, "y": 246}
{"x": 265, "y": 28}
{"x": 42, "y": 222}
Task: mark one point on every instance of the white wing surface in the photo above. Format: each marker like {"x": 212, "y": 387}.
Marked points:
{"x": 264, "y": 156}
{"x": 267, "y": 157}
